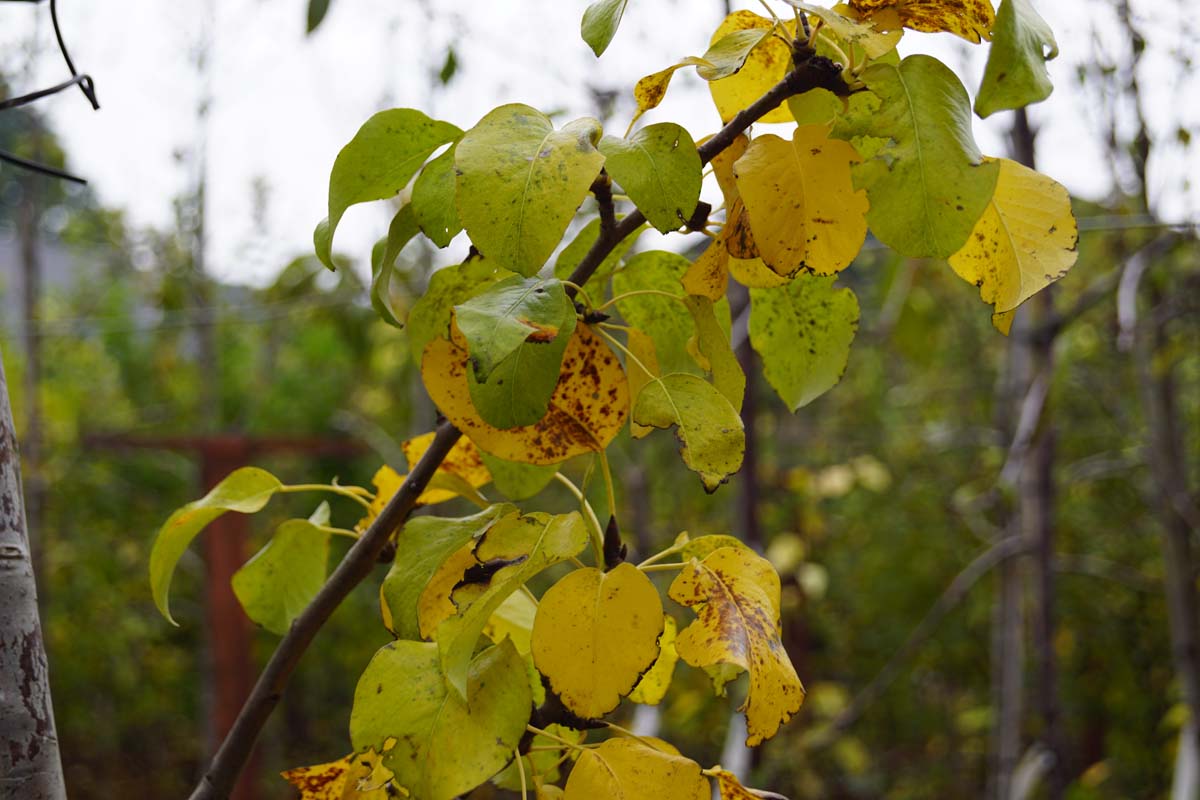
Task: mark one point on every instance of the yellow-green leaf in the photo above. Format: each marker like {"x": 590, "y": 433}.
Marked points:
{"x": 712, "y": 343}
{"x": 282, "y": 579}
{"x": 970, "y": 19}
{"x": 513, "y": 619}
{"x": 627, "y": 769}
{"x": 1024, "y": 241}
{"x": 541, "y": 765}
{"x": 701, "y": 547}
{"x": 520, "y": 182}
{"x": 1016, "y": 75}
{"x": 804, "y": 211}
{"x": 735, "y": 594}
{"x": 430, "y": 316}
{"x": 652, "y": 688}
{"x": 874, "y": 42}
{"x": 600, "y": 23}
{"x": 434, "y": 606}
{"x": 245, "y": 490}
{"x": 433, "y": 200}
{"x": 642, "y": 367}
{"x": 764, "y": 66}
{"x": 509, "y": 313}
{"x": 710, "y": 433}
{"x": 383, "y": 262}
{"x": 659, "y": 168}
{"x": 595, "y": 634}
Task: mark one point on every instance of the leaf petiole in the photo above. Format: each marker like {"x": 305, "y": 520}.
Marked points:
{"x": 565, "y": 742}
{"x": 344, "y": 491}
{"x": 589, "y": 512}
{"x": 635, "y": 293}
{"x": 662, "y": 567}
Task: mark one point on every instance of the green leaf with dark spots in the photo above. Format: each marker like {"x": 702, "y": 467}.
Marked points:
{"x": 659, "y": 168}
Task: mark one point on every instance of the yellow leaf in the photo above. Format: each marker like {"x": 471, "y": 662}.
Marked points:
{"x": 737, "y": 235}
{"x": 804, "y": 211}
{"x": 731, "y": 788}
{"x": 970, "y": 19}
{"x": 650, "y": 90}
{"x": 595, "y": 634}
{"x": 1003, "y": 321}
{"x": 645, "y": 357}
{"x": 652, "y": 688}
{"x": 708, "y": 276}
{"x": 513, "y": 620}
{"x": 754, "y": 274}
{"x": 586, "y": 411}
{"x": 355, "y": 777}
{"x": 434, "y": 605}
{"x": 462, "y": 463}
{"x": 1024, "y": 241}
{"x": 735, "y": 594}
{"x": 765, "y": 67}
{"x": 722, "y": 165}
{"x": 626, "y": 769}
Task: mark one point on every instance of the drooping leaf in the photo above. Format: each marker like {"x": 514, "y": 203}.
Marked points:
{"x": 659, "y": 168}
{"x": 927, "y": 183}
{"x": 523, "y": 546}
{"x": 595, "y": 634}
{"x": 509, "y": 313}
{"x": 1024, "y": 241}
{"x": 245, "y": 490}
{"x": 627, "y": 769}
{"x": 518, "y": 481}
{"x": 641, "y": 368}
{"x": 712, "y": 344}
{"x": 709, "y": 430}
{"x": 764, "y": 66}
{"x": 735, "y": 594}
{"x": 383, "y": 263}
{"x": 652, "y": 688}
{"x": 520, "y": 181}
{"x": 600, "y": 23}
{"x": 708, "y": 276}
{"x": 874, "y": 42}
{"x": 804, "y": 211}
{"x": 282, "y": 579}
{"x": 433, "y": 199}
{"x": 445, "y": 745}
{"x": 378, "y": 162}
{"x": 355, "y": 777}
{"x": 970, "y": 19}
{"x": 1016, "y": 74}
{"x": 431, "y": 314}
{"x": 586, "y": 410}
{"x": 803, "y": 333}
{"x": 578, "y": 247}
{"x": 422, "y": 546}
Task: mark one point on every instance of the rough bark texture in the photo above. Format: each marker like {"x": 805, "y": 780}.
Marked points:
{"x": 30, "y": 768}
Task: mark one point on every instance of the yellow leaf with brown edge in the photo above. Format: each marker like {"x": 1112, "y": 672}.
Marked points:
{"x": 653, "y": 686}
{"x": 736, "y": 594}
{"x": 970, "y": 19}
{"x": 804, "y": 211}
{"x": 627, "y": 769}
{"x": 764, "y": 67}
{"x": 586, "y": 410}
{"x": 708, "y": 276}
{"x": 1024, "y": 241}
{"x": 355, "y": 777}
{"x": 641, "y": 368}
{"x": 434, "y": 606}
{"x": 731, "y": 788}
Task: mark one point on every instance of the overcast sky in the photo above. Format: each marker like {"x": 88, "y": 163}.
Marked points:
{"x": 285, "y": 103}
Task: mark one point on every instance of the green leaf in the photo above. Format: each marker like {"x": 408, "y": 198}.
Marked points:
{"x": 713, "y": 347}
{"x": 600, "y": 23}
{"x": 803, "y": 332}
{"x": 659, "y": 168}
{"x": 383, "y": 263}
{"x": 574, "y": 252}
{"x": 926, "y": 183}
{"x": 518, "y": 481}
{"x": 524, "y": 545}
{"x": 509, "y": 313}
{"x": 245, "y": 490}
{"x": 430, "y": 316}
{"x": 520, "y": 181}
{"x": 709, "y": 430}
{"x": 422, "y": 545}
{"x": 666, "y": 321}
{"x": 317, "y": 9}
{"x": 283, "y": 578}
{"x": 377, "y": 163}
{"x": 1016, "y": 75}
{"x": 433, "y": 200}
{"x": 444, "y": 745}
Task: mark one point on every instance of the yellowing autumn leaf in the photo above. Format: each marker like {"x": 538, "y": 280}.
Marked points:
{"x": 586, "y": 411}
{"x": 434, "y": 605}
{"x": 731, "y": 788}
{"x": 803, "y": 209}
{"x": 764, "y": 67}
{"x": 970, "y": 19}
{"x": 595, "y": 634}
{"x": 642, "y": 367}
{"x": 722, "y": 166}
{"x": 627, "y": 769}
{"x": 652, "y": 688}
{"x": 355, "y": 777}
{"x": 735, "y": 594}
{"x": 708, "y": 276}
{"x": 874, "y": 42}
{"x": 1024, "y": 241}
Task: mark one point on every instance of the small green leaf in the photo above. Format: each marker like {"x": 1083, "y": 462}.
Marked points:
{"x": 283, "y": 578}
{"x": 433, "y": 200}
{"x": 520, "y": 182}
{"x": 659, "y": 168}
{"x": 317, "y": 9}
{"x": 574, "y": 252}
{"x": 712, "y": 345}
{"x": 728, "y": 55}
{"x": 383, "y": 263}
{"x": 709, "y": 429}
{"x": 803, "y": 332}
{"x": 518, "y": 481}
{"x": 245, "y": 490}
{"x": 377, "y": 163}
{"x": 444, "y": 745}
{"x": 509, "y": 313}
{"x": 600, "y": 23}
{"x": 422, "y": 545}
{"x": 430, "y": 316}
{"x": 1016, "y": 75}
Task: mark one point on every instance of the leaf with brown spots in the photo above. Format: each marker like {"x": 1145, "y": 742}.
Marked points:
{"x": 1024, "y": 241}
{"x": 970, "y": 19}
{"x": 628, "y": 769}
{"x": 586, "y": 410}
{"x": 735, "y": 594}
{"x": 803, "y": 209}
{"x": 595, "y": 634}
{"x": 708, "y": 276}
{"x": 731, "y": 788}
{"x": 764, "y": 66}
{"x": 355, "y": 777}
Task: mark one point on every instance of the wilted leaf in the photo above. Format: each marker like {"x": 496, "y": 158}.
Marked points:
{"x": 712, "y": 343}
{"x": 970, "y": 19}
{"x": 445, "y": 746}
{"x": 245, "y": 490}
{"x": 595, "y": 634}
{"x": 355, "y": 777}
{"x": 1024, "y": 241}
{"x": 709, "y": 429}
{"x": 803, "y": 332}
{"x": 735, "y": 594}
{"x": 377, "y": 163}
{"x": 431, "y": 314}
{"x": 627, "y": 769}
{"x": 1016, "y": 67}
{"x": 659, "y": 168}
{"x": 586, "y": 411}
{"x": 282, "y": 579}
{"x": 433, "y": 200}
{"x": 600, "y": 23}
{"x": 764, "y": 66}
{"x": 520, "y": 181}
{"x": 804, "y": 211}
{"x": 652, "y": 688}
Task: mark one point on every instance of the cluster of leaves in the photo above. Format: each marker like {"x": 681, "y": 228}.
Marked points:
{"x": 525, "y": 359}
